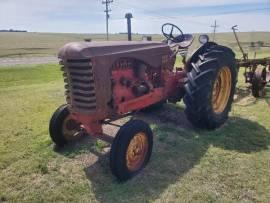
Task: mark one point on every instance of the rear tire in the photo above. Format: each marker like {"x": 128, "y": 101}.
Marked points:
{"x": 131, "y": 149}
{"x": 210, "y": 87}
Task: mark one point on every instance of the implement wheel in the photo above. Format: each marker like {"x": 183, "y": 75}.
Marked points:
{"x": 63, "y": 128}
{"x": 210, "y": 87}
{"x": 259, "y": 81}
{"x": 131, "y": 149}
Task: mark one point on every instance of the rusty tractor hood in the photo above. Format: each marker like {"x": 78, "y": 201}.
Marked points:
{"x": 75, "y": 58}
{"x": 92, "y": 49}
{"x": 105, "y": 53}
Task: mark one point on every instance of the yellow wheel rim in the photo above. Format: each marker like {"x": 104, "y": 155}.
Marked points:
{"x": 221, "y": 90}
{"x": 136, "y": 151}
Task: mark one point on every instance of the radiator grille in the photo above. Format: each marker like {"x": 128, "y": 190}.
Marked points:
{"x": 80, "y": 85}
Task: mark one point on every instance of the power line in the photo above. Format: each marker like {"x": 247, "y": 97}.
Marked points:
{"x": 215, "y": 26}
{"x": 107, "y": 11}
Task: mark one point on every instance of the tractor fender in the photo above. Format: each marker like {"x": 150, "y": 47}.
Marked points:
{"x": 196, "y": 54}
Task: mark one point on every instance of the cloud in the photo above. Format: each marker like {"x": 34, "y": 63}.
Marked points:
{"x": 179, "y": 5}
{"x": 88, "y": 15}
{"x": 246, "y": 22}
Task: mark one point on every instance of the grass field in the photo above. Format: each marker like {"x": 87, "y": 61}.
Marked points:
{"x": 36, "y": 44}
{"x": 33, "y": 44}
{"x": 231, "y": 164}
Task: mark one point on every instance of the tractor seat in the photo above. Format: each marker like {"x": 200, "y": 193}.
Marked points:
{"x": 185, "y": 40}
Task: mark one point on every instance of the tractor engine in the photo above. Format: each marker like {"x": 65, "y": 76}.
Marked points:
{"x": 131, "y": 79}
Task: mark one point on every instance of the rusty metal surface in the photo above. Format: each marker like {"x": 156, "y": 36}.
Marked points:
{"x": 253, "y": 62}
{"x": 253, "y": 74}
{"x": 80, "y": 87}
{"x": 234, "y": 28}
{"x": 88, "y": 66}
{"x": 251, "y": 65}
{"x": 82, "y": 50}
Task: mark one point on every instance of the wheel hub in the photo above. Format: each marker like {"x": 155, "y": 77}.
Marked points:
{"x": 137, "y": 151}
{"x": 72, "y": 130}
{"x": 221, "y": 90}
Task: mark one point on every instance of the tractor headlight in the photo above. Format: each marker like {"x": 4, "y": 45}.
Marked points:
{"x": 203, "y": 39}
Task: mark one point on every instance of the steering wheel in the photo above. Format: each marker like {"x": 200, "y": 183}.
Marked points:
{"x": 176, "y": 37}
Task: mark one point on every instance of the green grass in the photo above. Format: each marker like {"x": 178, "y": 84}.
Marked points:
{"x": 21, "y": 75}
{"x": 230, "y": 164}
{"x": 36, "y": 44}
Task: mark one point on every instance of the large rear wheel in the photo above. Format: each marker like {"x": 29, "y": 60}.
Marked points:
{"x": 210, "y": 87}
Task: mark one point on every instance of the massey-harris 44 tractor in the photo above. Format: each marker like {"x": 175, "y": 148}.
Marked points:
{"x": 106, "y": 81}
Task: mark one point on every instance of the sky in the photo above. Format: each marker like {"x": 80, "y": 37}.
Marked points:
{"x": 87, "y": 16}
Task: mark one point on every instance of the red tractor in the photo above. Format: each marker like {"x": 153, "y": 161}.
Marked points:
{"x": 106, "y": 81}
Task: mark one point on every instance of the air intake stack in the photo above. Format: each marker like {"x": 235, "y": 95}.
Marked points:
{"x": 128, "y": 17}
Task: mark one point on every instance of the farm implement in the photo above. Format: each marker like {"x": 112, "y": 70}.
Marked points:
{"x": 106, "y": 81}
{"x": 257, "y": 71}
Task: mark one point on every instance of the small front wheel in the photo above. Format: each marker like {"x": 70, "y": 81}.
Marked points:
{"x": 131, "y": 149}
{"x": 63, "y": 128}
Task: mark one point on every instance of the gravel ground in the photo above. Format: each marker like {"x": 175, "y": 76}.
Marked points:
{"x": 28, "y": 60}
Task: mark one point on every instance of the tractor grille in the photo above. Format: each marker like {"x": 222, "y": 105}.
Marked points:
{"x": 80, "y": 85}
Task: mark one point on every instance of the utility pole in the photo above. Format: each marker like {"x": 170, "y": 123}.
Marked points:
{"x": 107, "y": 11}
{"x": 215, "y": 26}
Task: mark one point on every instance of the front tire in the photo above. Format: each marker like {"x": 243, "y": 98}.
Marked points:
{"x": 210, "y": 87}
{"x": 131, "y": 149}
{"x": 63, "y": 128}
